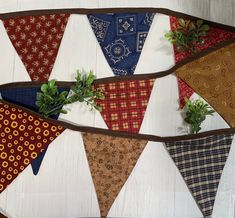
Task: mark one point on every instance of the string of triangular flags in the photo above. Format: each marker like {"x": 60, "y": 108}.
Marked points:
{"x": 121, "y": 36}
{"x": 37, "y": 39}
{"x": 126, "y": 100}
{"x": 199, "y": 158}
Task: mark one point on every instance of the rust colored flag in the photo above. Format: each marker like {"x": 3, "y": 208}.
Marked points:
{"x": 214, "y": 36}
{"x": 213, "y": 78}
{"x": 111, "y": 160}
{"x": 37, "y": 40}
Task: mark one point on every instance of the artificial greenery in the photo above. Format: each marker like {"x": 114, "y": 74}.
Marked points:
{"x": 196, "y": 112}
{"x": 50, "y": 100}
{"x": 187, "y": 35}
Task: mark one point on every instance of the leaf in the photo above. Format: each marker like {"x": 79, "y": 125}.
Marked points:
{"x": 196, "y": 112}
{"x": 50, "y": 101}
{"x": 44, "y": 88}
{"x": 182, "y": 22}
{"x": 199, "y": 23}
{"x": 188, "y": 35}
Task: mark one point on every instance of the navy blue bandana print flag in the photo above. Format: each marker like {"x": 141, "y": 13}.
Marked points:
{"x": 201, "y": 162}
{"x": 26, "y": 97}
{"x": 121, "y": 37}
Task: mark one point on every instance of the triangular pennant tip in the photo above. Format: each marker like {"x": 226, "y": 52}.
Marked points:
{"x": 201, "y": 162}
{"x": 185, "y": 91}
{"x": 23, "y": 137}
{"x": 125, "y": 103}
{"x": 214, "y": 83}
{"x": 214, "y": 36}
{"x": 111, "y": 161}
{"x": 37, "y": 40}
{"x": 26, "y": 97}
{"x": 121, "y": 37}
{"x": 36, "y": 163}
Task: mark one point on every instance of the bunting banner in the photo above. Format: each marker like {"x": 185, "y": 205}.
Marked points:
{"x": 125, "y": 103}
{"x": 23, "y": 137}
{"x": 37, "y": 39}
{"x": 121, "y": 37}
{"x": 26, "y": 97}
{"x": 201, "y": 162}
{"x": 215, "y": 35}
{"x": 212, "y": 77}
{"x": 111, "y": 161}
{"x": 113, "y": 155}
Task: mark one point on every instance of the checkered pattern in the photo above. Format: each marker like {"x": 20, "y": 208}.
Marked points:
{"x": 125, "y": 103}
{"x": 201, "y": 162}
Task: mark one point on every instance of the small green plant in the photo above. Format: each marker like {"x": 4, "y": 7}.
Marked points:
{"x": 196, "y": 112}
{"x": 50, "y": 101}
{"x": 187, "y": 35}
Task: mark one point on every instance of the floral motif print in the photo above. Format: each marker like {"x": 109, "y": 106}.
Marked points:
{"x": 111, "y": 160}
{"x": 37, "y": 40}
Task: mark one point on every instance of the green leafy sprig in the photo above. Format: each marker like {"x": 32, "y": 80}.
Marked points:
{"x": 50, "y": 101}
{"x": 187, "y": 35}
{"x": 196, "y": 112}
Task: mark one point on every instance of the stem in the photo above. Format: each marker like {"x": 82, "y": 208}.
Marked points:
{"x": 54, "y": 109}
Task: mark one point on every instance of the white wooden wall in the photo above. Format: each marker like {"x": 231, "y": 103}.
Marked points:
{"x": 63, "y": 188}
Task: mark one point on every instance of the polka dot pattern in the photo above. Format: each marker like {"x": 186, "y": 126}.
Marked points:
{"x": 23, "y": 136}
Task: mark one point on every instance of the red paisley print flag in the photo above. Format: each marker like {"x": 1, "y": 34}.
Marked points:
{"x": 125, "y": 104}
{"x": 214, "y": 36}
{"x": 23, "y": 136}
{"x": 37, "y": 40}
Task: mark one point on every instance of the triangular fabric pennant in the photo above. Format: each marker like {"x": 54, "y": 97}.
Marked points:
{"x": 214, "y": 36}
{"x": 121, "y": 37}
{"x": 26, "y": 97}
{"x": 111, "y": 160}
{"x": 23, "y": 137}
{"x": 37, "y": 40}
{"x": 125, "y": 103}
{"x": 185, "y": 91}
{"x": 212, "y": 77}
{"x": 201, "y": 162}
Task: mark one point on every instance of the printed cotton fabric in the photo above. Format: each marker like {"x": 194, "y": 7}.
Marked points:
{"x": 213, "y": 78}
{"x": 121, "y": 37}
{"x": 214, "y": 36}
{"x": 26, "y": 97}
{"x": 111, "y": 160}
{"x": 37, "y": 40}
{"x": 125, "y": 103}
{"x": 23, "y": 136}
{"x": 201, "y": 162}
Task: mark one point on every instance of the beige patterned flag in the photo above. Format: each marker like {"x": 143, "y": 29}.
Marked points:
{"x": 111, "y": 160}
{"x": 213, "y": 78}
